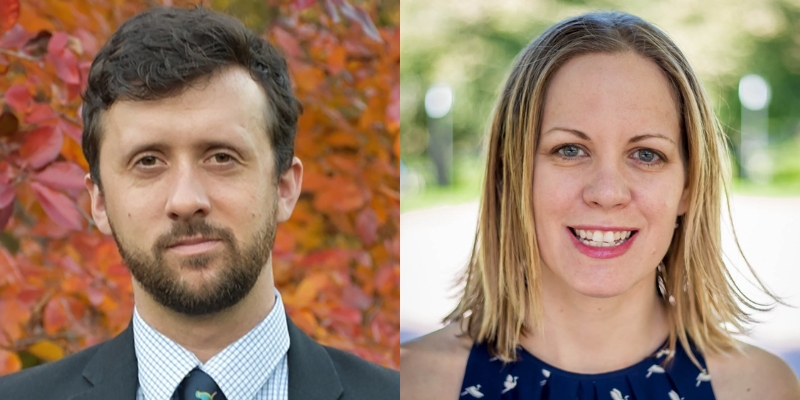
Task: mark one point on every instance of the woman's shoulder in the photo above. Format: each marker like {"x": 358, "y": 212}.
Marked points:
{"x": 752, "y": 373}
{"x": 432, "y": 366}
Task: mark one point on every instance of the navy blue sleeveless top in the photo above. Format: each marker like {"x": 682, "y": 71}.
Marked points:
{"x": 530, "y": 378}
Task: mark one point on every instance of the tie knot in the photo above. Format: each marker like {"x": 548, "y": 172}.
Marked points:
{"x": 197, "y": 385}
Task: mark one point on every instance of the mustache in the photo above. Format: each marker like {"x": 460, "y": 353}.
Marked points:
{"x": 192, "y": 229}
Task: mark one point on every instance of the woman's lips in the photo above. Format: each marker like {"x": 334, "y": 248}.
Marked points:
{"x": 602, "y": 252}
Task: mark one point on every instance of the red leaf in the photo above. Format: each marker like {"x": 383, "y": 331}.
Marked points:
{"x": 367, "y": 226}
{"x": 55, "y": 316}
{"x": 65, "y": 61}
{"x": 303, "y": 4}
{"x": 353, "y": 295}
{"x": 288, "y": 44}
{"x": 40, "y": 113}
{"x": 18, "y": 97}
{"x": 15, "y": 38}
{"x": 62, "y": 175}
{"x": 41, "y": 146}
{"x": 58, "y": 206}
{"x": 6, "y": 192}
{"x": 70, "y": 130}
{"x": 5, "y": 216}
{"x": 9, "y": 13}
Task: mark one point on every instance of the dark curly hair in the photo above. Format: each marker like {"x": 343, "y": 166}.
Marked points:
{"x": 160, "y": 52}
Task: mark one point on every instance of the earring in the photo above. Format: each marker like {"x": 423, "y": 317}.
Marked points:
{"x": 661, "y": 283}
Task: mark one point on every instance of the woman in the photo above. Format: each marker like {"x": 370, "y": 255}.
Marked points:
{"x": 597, "y": 271}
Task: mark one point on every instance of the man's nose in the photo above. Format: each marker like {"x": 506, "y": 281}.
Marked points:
{"x": 607, "y": 187}
{"x": 188, "y": 196}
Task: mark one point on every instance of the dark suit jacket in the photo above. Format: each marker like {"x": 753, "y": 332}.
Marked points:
{"x": 109, "y": 371}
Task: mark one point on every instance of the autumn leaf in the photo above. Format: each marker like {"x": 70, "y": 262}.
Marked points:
{"x": 9, "y": 124}
{"x": 62, "y": 175}
{"x": 367, "y": 226}
{"x": 46, "y": 350}
{"x": 9, "y": 362}
{"x": 41, "y": 146}
{"x": 9, "y": 13}
{"x": 65, "y": 61}
{"x": 58, "y": 206}
{"x": 6, "y": 192}
{"x": 55, "y": 316}
{"x": 18, "y": 97}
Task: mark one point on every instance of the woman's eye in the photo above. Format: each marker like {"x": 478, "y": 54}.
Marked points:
{"x": 645, "y": 155}
{"x": 570, "y": 151}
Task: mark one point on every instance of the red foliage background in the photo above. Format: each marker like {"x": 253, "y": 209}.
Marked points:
{"x": 62, "y": 284}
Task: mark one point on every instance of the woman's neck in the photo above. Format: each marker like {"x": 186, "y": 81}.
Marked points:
{"x": 592, "y": 335}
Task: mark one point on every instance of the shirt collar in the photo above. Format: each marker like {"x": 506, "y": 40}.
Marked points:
{"x": 163, "y": 363}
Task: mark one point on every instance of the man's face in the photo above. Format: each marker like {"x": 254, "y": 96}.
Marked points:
{"x": 190, "y": 192}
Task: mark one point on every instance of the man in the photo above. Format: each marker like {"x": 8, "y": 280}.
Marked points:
{"x": 189, "y": 125}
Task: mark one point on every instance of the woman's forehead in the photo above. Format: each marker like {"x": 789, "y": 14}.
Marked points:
{"x": 618, "y": 92}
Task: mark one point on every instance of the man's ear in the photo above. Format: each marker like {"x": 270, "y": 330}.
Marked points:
{"x": 289, "y": 186}
{"x": 98, "y": 205}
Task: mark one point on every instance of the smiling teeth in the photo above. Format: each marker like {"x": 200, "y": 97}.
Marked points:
{"x": 602, "y": 238}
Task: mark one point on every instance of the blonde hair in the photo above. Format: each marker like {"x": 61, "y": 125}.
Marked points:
{"x": 501, "y": 299}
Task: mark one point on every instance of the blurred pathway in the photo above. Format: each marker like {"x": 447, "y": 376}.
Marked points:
{"x": 436, "y": 243}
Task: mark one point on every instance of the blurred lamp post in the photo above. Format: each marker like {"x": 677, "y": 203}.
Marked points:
{"x": 438, "y": 103}
{"x": 754, "y": 94}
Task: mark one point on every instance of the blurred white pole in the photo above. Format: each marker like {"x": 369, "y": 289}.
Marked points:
{"x": 438, "y": 103}
{"x": 754, "y": 94}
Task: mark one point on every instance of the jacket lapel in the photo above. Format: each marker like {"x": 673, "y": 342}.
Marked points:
{"x": 312, "y": 375}
{"x": 113, "y": 371}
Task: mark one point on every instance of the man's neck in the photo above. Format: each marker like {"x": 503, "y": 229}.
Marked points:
{"x": 208, "y": 335}
{"x": 594, "y": 335}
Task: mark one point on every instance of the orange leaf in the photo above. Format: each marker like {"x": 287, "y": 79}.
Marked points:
{"x": 309, "y": 288}
{"x": 9, "y": 362}
{"x": 341, "y": 196}
{"x": 41, "y": 146}
{"x": 46, "y": 350}
{"x": 336, "y": 60}
{"x": 58, "y": 206}
{"x": 9, "y": 13}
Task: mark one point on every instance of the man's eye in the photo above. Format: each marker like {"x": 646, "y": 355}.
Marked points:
{"x": 148, "y": 161}
{"x": 570, "y": 151}
{"x": 222, "y": 158}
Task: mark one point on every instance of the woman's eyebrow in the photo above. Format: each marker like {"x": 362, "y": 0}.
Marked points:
{"x": 639, "y": 138}
{"x": 572, "y": 131}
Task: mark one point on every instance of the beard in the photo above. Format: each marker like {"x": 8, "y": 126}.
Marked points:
{"x": 240, "y": 269}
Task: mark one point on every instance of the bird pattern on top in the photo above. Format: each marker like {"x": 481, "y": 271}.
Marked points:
{"x": 488, "y": 378}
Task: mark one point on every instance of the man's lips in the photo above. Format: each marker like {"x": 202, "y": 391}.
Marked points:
{"x": 194, "y": 246}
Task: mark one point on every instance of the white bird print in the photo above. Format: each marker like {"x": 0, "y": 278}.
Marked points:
{"x": 493, "y": 359}
{"x": 546, "y": 374}
{"x": 510, "y": 383}
{"x": 654, "y": 368}
{"x": 617, "y": 395}
{"x": 674, "y": 396}
{"x": 662, "y": 353}
{"x": 474, "y": 391}
{"x": 703, "y": 377}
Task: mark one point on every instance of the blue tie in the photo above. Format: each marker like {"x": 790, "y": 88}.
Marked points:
{"x": 198, "y": 386}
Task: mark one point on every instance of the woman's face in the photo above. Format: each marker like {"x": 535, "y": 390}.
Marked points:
{"x": 608, "y": 178}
